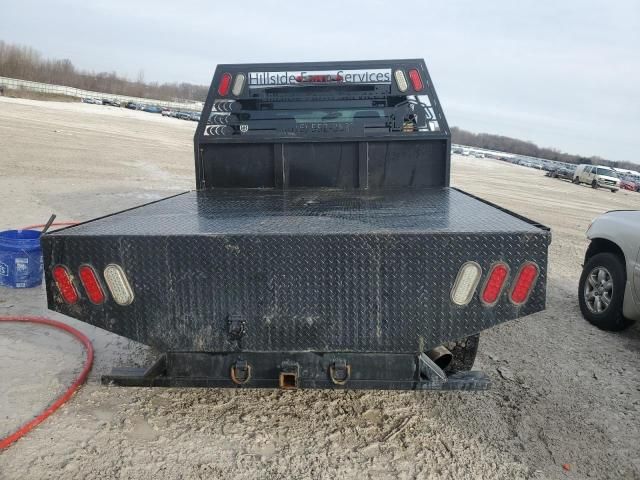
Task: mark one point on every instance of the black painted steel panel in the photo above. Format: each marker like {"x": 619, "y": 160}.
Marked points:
{"x": 319, "y": 270}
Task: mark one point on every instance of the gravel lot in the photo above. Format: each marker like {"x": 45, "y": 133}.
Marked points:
{"x": 565, "y": 396}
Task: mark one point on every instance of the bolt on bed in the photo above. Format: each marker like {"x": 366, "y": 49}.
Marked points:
{"x": 323, "y": 247}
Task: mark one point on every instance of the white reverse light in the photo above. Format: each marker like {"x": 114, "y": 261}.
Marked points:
{"x": 238, "y": 84}
{"x": 118, "y": 284}
{"x": 401, "y": 80}
{"x": 466, "y": 283}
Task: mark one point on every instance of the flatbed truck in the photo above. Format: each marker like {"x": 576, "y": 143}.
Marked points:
{"x": 323, "y": 246}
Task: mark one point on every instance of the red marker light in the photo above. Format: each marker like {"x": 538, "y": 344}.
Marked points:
{"x": 225, "y": 84}
{"x": 416, "y": 81}
{"x": 524, "y": 283}
{"x": 495, "y": 283}
{"x": 65, "y": 285}
{"x": 91, "y": 284}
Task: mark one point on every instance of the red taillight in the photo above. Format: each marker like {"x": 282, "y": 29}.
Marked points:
{"x": 524, "y": 283}
{"x": 225, "y": 84}
{"x": 495, "y": 283}
{"x": 91, "y": 284}
{"x": 416, "y": 80}
{"x": 65, "y": 285}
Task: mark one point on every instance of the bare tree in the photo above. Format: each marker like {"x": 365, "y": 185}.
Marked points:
{"x": 522, "y": 147}
{"x": 25, "y": 63}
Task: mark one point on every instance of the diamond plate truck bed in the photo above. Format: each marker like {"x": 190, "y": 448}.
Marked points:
{"x": 324, "y": 270}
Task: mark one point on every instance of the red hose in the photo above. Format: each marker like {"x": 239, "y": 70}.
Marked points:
{"x": 27, "y": 427}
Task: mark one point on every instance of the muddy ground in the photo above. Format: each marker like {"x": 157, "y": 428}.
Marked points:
{"x": 564, "y": 393}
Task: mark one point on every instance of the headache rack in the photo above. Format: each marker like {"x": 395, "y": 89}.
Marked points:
{"x": 279, "y": 132}
{"x": 323, "y": 247}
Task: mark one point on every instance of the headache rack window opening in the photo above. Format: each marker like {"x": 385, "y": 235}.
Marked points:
{"x": 400, "y": 113}
{"x": 405, "y": 117}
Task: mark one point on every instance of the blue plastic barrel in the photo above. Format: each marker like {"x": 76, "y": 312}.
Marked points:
{"x": 20, "y": 258}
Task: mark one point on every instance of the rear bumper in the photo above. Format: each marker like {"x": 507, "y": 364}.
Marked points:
{"x": 295, "y": 370}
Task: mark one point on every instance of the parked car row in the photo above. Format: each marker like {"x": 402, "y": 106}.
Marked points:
{"x": 195, "y": 116}
{"x": 597, "y": 176}
{"x": 144, "y": 107}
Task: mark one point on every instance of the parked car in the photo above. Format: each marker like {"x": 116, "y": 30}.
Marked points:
{"x": 111, "y": 102}
{"x": 97, "y": 101}
{"x": 561, "y": 172}
{"x": 166, "y": 112}
{"x": 628, "y": 185}
{"x": 597, "y": 176}
{"x": 630, "y": 182}
{"x": 152, "y": 109}
{"x": 609, "y": 289}
{"x": 195, "y": 116}
{"x": 183, "y": 115}
{"x": 131, "y": 105}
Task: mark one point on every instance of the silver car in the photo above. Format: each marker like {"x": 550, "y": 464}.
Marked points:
{"x": 609, "y": 291}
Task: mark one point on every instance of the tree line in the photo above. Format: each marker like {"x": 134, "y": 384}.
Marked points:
{"x": 522, "y": 147}
{"x": 26, "y": 63}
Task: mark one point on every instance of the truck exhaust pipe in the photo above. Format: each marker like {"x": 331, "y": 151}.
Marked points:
{"x": 441, "y": 356}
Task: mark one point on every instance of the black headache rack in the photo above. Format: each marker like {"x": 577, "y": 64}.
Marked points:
{"x": 334, "y": 125}
{"x": 323, "y": 248}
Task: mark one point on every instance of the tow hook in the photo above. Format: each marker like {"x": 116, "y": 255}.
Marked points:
{"x": 289, "y": 373}
{"x": 240, "y": 372}
{"x": 340, "y": 371}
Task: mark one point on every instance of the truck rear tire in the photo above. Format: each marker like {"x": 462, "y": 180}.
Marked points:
{"x": 603, "y": 280}
{"x": 464, "y": 354}
{"x": 576, "y": 180}
{"x": 594, "y": 184}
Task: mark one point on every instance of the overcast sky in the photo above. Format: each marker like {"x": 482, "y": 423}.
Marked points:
{"x": 564, "y": 74}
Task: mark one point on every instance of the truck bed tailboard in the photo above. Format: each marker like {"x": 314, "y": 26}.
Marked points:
{"x": 300, "y": 270}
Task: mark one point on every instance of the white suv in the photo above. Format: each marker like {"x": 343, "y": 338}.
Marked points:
{"x": 597, "y": 176}
{"x": 609, "y": 291}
